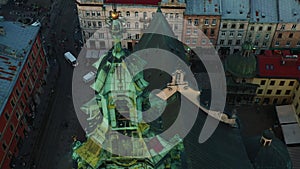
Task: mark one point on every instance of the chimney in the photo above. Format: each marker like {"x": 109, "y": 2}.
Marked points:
{"x": 2, "y": 31}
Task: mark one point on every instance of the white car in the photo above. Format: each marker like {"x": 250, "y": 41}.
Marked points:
{"x": 89, "y": 76}
{"x": 36, "y": 23}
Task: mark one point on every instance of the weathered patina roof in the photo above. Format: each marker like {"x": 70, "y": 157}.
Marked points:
{"x": 240, "y": 65}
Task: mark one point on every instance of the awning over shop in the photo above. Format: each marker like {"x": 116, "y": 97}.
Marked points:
{"x": 291, "y": 133}
{"x": 286, "y": 114}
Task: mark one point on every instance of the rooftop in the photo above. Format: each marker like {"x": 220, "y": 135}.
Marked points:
{"x": 235, "y": 9}
{"x": 139, "y": 2}
{"x": 264, "y": 11}
{"x": 15, "y": 46}
{"x": 289, "y": 11}
{"x": 278, "y": 64}
{"x": 203, "y": 7}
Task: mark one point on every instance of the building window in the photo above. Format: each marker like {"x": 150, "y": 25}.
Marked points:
{"x": 214, "y": 22}
{"x": 252, "y": 28}
{"x": 277, "y": 43}
{"x": 264, "y": 44}
{"x": 233, "y": 26}
{"x": 238, "y": 42}
{"x": 288, "y": 43}
{"x": 281, "y": 83}
{"x": 189, "y": 21}
{"x": 89, "y": 23}
{"x": 291, "y": 35}
{"x": 263, "y": 82}
{"x": 231, "y": 34}
{"x": 93, "y": 13}
{"x": 87, "y": 14}
{"x": 267, "y": 36}
{"x": 94, "y": 24}
{"x": 206, "y": 22}
{"x": 205, "y": 31}
{"x": 6, "y": 116}
{"x": 194, "y": 41}
{"x": 195, "y": 31}
{"x": 278, "y": 92}
{"x": 175, "y": 27}
{"x": 11, "y": 127}
{"x": 4, "y": 146}
{"x": 294, "y": 27}
{"x": 223, "y": 33}
{"x": 196, "y": 22}
{"x": 240, "y": 34}
{"x": 298, "y": 43}
{"x": 17, "y": 92}
{"x": 287, "y": 92}
{"x": 188, "y": 31}
{"x": 171, "y": 15}
{"x": 177, "y": 15}
{"x": 101, "y": 35}
{"x": 275, "y": 100}
{"x": 225, "y": 25}
{"x": 127, "y": 13}
{"x": 269, "y": 28}
{"x": 222, "y": 42}
{"x": 136, "y": 14}
{"x": 256, "y": 43}
{"x": 128, "y": 35}
{"x": 279, "y": 35}
{"x": 12, "y": 102}
{"x": 212, "y": 32}
{"x": 260, "y": 28}
{"x": 99, "y": 24}
{"x": 98, "y": 13}
{"x": 242, "y": 26}
{"x": 291, "y": 83}
{"x": 136, "y": 25}
{"x": 187, "y": 41}
{"x": 137, "y": 36}
{"x": 269, "y": 91}
{"x": 128, "y": 25}
{"x": 229, "y": 42}
{"x": 272, "y": 82}
{"x": 259, "y": 91}
{"x": 282, "y": 27}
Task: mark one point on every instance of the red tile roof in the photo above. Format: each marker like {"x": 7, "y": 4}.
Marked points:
{"x": 278, "y": 64}
{"x": 143, "y": 2}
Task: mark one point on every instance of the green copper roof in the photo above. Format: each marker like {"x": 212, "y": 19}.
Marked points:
{"x": 273, "y": 156}
{"x": 241, "y": 66}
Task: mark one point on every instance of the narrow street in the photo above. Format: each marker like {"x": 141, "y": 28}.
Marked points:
{"x": 54, "y": 147}
{"x": 49, "y": 142}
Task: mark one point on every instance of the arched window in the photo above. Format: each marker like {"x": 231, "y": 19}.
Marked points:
{"x": 136, "y": 25}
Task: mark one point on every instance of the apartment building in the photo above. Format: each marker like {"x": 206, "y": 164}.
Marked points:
{"x": 136, "y": 16}
{"x": 201, "y": 23}
{"x": 287, "y": 34}
{"x": 233, "y": 27}
{"x": 22, "y": 63}
{"x": 278, "y": 72}
{"x": 263, "y": 23}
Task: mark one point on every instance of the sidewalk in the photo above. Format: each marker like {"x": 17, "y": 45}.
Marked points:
{"x": 31, "y": 142}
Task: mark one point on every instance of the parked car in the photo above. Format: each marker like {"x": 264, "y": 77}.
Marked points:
{"x": 89, "y": 76}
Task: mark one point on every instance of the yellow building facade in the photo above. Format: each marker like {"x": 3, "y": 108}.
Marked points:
{"x": 277, "y": 91}
{"x": 296, "y": 102}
